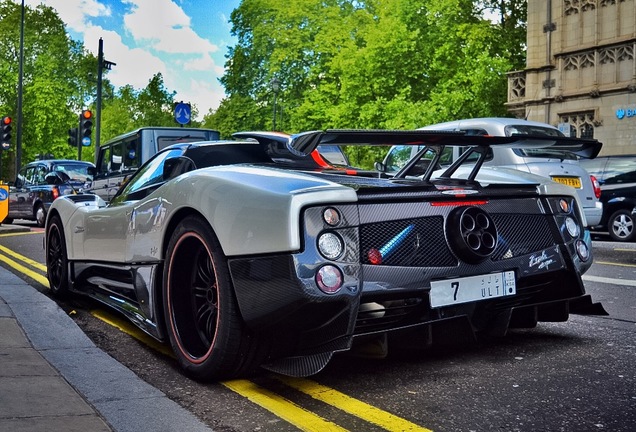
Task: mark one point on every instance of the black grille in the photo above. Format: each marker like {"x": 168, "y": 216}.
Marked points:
{"x": 521, "y": 234}
{"x": 422, "y": 243}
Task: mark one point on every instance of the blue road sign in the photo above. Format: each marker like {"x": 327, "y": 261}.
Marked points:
{"x": 86, "y": 141}
{"x": 182, "y": 113}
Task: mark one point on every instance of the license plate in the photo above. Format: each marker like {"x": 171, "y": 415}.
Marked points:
{"x": 575, "y": 182}
{"x": 472, "y": 288}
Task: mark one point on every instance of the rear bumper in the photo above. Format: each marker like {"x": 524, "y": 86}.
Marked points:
{"x": 594, "y": 214}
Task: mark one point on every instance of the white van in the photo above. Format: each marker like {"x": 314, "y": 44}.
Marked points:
{"x": 559, "y": 165}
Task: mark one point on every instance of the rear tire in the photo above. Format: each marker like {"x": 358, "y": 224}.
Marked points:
{"x": 621, "y": 226}
{"x": 40, "y": 216}
{"x": 201, "y": 314}
{"x": 56, "y": 258}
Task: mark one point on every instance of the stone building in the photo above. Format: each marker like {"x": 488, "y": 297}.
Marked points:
{"x": 580, "y": 70}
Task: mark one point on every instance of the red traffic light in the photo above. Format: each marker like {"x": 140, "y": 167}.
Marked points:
{"x": 6, "y": 121}
{"x": 87, "y": 114}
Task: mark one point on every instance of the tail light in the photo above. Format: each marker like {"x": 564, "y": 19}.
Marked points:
{"x": 56, "y": 192}
{"x": 596, "y": 187}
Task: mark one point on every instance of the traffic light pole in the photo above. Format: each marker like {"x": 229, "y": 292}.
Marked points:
{"x": 79, "y": 144}
{"x": 98, "y": 103}
{"x": 102, "y": 64}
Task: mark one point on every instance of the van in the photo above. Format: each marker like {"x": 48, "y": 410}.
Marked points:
{"x": 561, "y": 166}
{"x": 121, "y": 156}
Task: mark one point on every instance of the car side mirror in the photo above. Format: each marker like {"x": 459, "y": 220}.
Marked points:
{"x": 379, "y": 166}
{"x": 91, "y": 171}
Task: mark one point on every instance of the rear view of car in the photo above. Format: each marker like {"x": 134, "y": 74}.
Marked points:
{"x": 561, "y": 166}
{"x": 617, "y": 178}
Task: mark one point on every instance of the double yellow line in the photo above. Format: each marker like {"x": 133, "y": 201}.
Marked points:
{"x": 11, "y": 257}
{"x": 303, "y": 419}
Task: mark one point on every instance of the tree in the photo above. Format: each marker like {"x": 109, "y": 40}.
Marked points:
{"x": 369, "y": 64}
{"x": 55, "y": 82}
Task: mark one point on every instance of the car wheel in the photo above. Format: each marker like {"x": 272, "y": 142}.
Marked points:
{"x": 201, "y": 314}
{"x": 621, "y": 226}
{"x": 40, "y": 216}
{"x": 56, "y": 258}
{"x": 8, "y": 221}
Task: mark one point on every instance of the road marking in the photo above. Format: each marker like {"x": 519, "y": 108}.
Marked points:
{"x": 22, "y": 269}
{"x": 615, "y": 264}
{"x": 22, "y": 233}
{"x": 352, "y": 406}
{"x": 612, "y": 281}
{"x": 281, "y": 407}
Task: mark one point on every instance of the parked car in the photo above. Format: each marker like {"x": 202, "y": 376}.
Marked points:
{"x": 255, "y": 253}
{"x": 119, "y": 157}
{"x": 39, "y": 183}
{"x": 617, "y": 177}
{"x": 559, "y": 165}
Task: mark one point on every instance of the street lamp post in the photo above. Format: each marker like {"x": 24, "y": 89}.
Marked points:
{"x": 275, "y": 83}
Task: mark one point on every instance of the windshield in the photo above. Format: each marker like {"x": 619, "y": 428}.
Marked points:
{"x": 75, "y": 171}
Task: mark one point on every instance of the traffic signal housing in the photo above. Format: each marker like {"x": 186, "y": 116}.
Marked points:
{"x": 5, "y": 134}
{"x": 72, "y": 137}
{"x": 86, "y": 123}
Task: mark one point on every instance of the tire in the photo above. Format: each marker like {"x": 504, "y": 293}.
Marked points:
{"x": 40, "y": 216}
{"x": 203, "y": 323}
{"x": 621, "y": 226}
{"x": 56, "y": 258}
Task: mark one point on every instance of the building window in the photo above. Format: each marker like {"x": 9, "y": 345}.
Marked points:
{"x": 581, "y": 123}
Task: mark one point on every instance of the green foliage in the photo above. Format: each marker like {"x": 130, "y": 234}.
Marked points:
{"x": 369, "y": 64}
{"x": 59, "y": 80}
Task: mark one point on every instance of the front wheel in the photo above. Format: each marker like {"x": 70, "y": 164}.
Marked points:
{"x": 621, "y": 226}
{"x": 56, "y": 258}
{"x": 204, "y": 326}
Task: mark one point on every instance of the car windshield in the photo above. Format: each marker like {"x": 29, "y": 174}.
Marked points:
{"x": 75, "y": 171}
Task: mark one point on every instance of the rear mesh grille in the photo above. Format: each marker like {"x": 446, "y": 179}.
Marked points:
{"x": 408, "y": 242}
{"x": 412, "y": 250}
{"x": 521, "y": 234}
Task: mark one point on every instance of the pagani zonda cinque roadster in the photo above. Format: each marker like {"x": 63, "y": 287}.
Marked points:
{"x": 258, "y": 252}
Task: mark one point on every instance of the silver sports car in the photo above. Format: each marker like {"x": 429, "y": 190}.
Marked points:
{"x": 259, "y": 252}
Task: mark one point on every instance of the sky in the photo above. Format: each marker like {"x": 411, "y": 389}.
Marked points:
{"x": 185, "y": 40}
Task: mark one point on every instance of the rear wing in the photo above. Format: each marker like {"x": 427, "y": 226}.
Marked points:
{"x": 304, "y": 143}
{"x": 298, "y": 148}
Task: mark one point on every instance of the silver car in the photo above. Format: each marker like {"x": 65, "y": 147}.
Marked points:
{"x": 559, "y": 165}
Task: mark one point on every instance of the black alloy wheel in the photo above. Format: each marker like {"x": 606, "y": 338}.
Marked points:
{"x": 201, "y": 314}
{"x": 56, "y": 258}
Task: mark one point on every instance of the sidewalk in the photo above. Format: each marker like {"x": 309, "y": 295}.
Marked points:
{"x": 53, "y": 378}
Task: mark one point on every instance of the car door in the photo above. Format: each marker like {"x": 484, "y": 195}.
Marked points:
{"x": 19, "y": 201}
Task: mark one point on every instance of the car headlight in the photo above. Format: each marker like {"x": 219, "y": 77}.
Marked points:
{"x": 330, "y": 245}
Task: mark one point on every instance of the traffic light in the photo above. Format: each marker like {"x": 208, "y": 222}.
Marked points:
{"x": 5, "y": 136}
{"x": 86, "y": 124}
{"x": 72, "y": 137}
